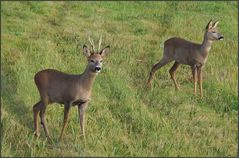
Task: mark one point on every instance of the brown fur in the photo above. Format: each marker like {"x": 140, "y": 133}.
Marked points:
{"x": 58, "y": 87}
{"x": 185, "y": 52}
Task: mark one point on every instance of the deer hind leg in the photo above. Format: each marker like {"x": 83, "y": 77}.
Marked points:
{"x": 36, "y": 110}
{"x": 172, "y": 74}
{"x": 43, "y": 120}
{"x": 194, "y": 72}
{"x": 66, "y": 115}
{"x": 199, "y": 73}
{"x": 156, "y": 67}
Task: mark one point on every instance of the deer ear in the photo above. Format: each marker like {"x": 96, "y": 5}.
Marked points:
{"x": 86, "y": 51}
{"x": 104, "y": 51}
{"x": 209, "y": 25}
{"x": 215, "y": 24}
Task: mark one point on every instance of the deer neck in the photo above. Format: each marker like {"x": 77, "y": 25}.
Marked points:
{"x": 87, "y": 79}
{"x": 206, "y": 46}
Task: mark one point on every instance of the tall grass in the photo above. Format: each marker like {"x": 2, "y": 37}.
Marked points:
{"x": 123, "y": 118}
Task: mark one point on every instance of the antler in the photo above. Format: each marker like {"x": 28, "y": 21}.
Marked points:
{"x": 100, "y": 40}
{"x": 92, "y": 45}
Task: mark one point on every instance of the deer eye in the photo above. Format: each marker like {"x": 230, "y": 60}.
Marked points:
{"x": 213, "y": 32}
{"x": 92, "y": 61}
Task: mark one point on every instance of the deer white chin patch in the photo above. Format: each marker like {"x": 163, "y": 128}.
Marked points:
{"x": 221, "y": 38}
{"x": 97, "y": 71}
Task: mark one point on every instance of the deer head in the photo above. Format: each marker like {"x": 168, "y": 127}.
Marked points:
{"x": 95, "y": 57}
{"x": 212, "y": 32}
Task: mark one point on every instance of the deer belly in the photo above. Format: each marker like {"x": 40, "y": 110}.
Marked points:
{"x": 181, "y": 60}
{"x": 57, "y": 97}
{"x": 81, "y": 97}
{"x": 79, "y": 102}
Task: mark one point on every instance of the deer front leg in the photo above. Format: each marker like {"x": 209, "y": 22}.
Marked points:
{"x": 194, "y": 72}
{"x": 81, "y": 110}
{"x": 199, "y": 73}
{"x": 66, "y": 115}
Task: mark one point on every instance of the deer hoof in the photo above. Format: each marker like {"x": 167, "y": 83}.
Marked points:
{"x": 37, "y": 134}
{"x": 148, "y": 85}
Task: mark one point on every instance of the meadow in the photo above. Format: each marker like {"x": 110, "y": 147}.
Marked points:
{"x": 123, "y": 118}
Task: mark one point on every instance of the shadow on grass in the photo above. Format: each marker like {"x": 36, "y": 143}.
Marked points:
{"x": 14, "y": 105}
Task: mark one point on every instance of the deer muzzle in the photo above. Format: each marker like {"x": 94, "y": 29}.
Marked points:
{"x": 97, "y": 69}
{"x": 220, "y": 38}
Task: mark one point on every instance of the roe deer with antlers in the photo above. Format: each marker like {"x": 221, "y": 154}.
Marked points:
{"x": 189, "y": 53}
{"x": 68, "y": 89}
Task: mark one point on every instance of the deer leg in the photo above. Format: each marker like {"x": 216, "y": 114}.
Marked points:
{"x": 172, "y": 74}
{"x": 156, "y": 66}
{"x": 66, "y": 115}
{"x": 81, "y": 110}
{"x": 194, "y": 72}
{"x": 43, "y": 120}
{"x": 36, "y": 110}
{"x": 199, "y": 73}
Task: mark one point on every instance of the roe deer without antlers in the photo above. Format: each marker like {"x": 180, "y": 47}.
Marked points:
{"x": 186, "y": 52}
{"x": 67, "y": 89}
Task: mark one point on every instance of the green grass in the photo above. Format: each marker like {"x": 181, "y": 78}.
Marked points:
{"x": 123, "y": 118}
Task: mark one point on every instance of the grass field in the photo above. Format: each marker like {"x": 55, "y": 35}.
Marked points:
{"x": 123, "y": 118}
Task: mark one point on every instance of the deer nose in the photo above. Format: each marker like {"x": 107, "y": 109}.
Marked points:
{"x": 220, "y": 38}
{"x": 97, "y": 68}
